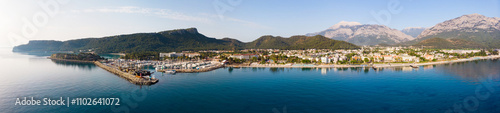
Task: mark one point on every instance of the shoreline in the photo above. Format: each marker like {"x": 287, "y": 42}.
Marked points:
{"x": 367, "y": 65}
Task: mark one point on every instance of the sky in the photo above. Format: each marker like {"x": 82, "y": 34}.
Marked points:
{"x": 245, "y": 20}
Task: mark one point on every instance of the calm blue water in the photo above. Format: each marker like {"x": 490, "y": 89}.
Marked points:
{"x": 265, "y": 90}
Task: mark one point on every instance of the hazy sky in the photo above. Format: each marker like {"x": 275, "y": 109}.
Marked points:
{"x": 244, "y": 20}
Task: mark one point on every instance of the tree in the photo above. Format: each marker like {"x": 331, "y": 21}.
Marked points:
{"x": 263, "y": 62}
{"x": 306, "y": 61}
{"x": 481, "y": 53}
{"x": 422, "y": 59}
{"x": 366, "y": 60}
{"x": 399, "y": 59}
{"x": 495, "y": 52}
{"x": 254, "y": 59}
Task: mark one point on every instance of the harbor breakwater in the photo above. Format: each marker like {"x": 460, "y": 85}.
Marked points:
{"x": 131, "y": 78}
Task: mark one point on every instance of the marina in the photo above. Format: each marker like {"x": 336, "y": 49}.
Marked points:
{"x": 189, "y": 67}
{"x": 169, "y": 67}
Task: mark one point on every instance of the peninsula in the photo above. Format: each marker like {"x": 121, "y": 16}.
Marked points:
{"x": 133, "y": 75}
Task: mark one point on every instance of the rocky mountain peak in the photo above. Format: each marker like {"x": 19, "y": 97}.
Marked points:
{"x": 466, "y": 23}
{"x": 359, "y": 34}
{"x": 181, "y": 31}
{"x": 344, "y": 24}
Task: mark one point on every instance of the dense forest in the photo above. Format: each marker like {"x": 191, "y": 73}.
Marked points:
{"x": 299, "y": 42}
{"x": 179, "y": 40}
{"x": 79, "y": 56}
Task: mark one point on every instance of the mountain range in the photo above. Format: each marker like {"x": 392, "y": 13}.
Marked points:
{"x": 413, "y": 31}
{"x": 179, "y": 40}
{"x": 467, "y": 31}
{"x": 366, "y": 34}
{"x": 475, "y": 29}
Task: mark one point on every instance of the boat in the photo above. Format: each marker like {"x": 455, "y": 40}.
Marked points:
{"x": 142, "y": 74}
{"x": 413, "y": 66}
{"x": 170, "y": 71}
{"x": 159, "y": 68}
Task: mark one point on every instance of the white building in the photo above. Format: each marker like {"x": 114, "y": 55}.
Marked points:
{"x": 172, "y": 54}
{"x": 244, "y": 56}
{"x": 461, "y": 51}
{"x": 191, "y": 55}
{"x": 325, "y": 60}
{"x": 388, "y": 58}
{"x": 408, "y": 58}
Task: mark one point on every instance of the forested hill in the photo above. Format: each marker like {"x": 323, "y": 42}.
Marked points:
{"x": 299, "y": 42}
{"x": 176, "y": 40}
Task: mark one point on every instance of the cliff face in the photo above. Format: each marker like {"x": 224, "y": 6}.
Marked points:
{"x": 356, "y": 33}
{"x": 466, "y": 23}
{"x": 475, "y": 28}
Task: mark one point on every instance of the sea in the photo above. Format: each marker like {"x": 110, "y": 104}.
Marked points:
{"x": 457, "y": 87}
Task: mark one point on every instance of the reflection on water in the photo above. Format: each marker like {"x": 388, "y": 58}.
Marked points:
{"x": 474, "y": 71}
{"x": 306, "y": 69}
{"x": 275, "y": 70}
{"x": 80, "y": 65}
{"x": 230, "y": 69}
{"x": 46, "y": 53}
{"x": 427, "y": 67}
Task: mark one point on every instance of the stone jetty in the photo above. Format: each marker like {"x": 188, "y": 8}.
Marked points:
{"x": 131, "y": 78}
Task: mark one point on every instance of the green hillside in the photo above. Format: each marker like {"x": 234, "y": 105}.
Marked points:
{"x": 440, "y": 43}
{"x": 485, "y": 38}
{"x": 178, "y": 40}
{"x": 299, "y": 42}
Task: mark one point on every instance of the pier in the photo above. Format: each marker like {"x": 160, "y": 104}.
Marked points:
{"x": 131, "y": 78}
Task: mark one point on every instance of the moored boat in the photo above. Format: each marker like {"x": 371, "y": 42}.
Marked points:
{"x": 170, "y": 71}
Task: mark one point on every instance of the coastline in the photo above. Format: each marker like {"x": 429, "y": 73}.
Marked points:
{"x": 367, "y": 65}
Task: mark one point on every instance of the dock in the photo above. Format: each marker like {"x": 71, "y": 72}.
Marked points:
{"x": 131, "y": 78}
